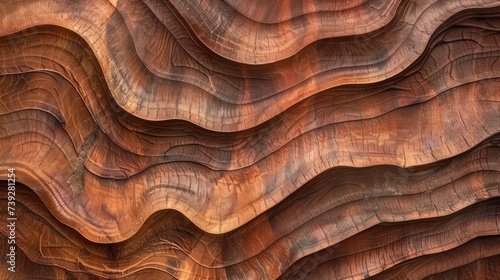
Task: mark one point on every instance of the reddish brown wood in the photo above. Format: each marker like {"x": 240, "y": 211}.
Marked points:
{"x": 251, "y": 139}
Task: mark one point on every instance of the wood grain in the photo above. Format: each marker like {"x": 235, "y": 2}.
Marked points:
{"x": 262, "y": 140}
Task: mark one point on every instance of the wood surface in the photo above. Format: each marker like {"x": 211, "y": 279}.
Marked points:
{"x": 229, "y": 139}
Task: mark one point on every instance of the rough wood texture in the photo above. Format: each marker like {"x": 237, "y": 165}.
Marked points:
{"x": 260, "y": 139}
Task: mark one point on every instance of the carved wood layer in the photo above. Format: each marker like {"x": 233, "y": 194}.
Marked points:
{"x": 260, "y": 140}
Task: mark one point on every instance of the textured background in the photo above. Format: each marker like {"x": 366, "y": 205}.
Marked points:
{"x": 261, "y": 139}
